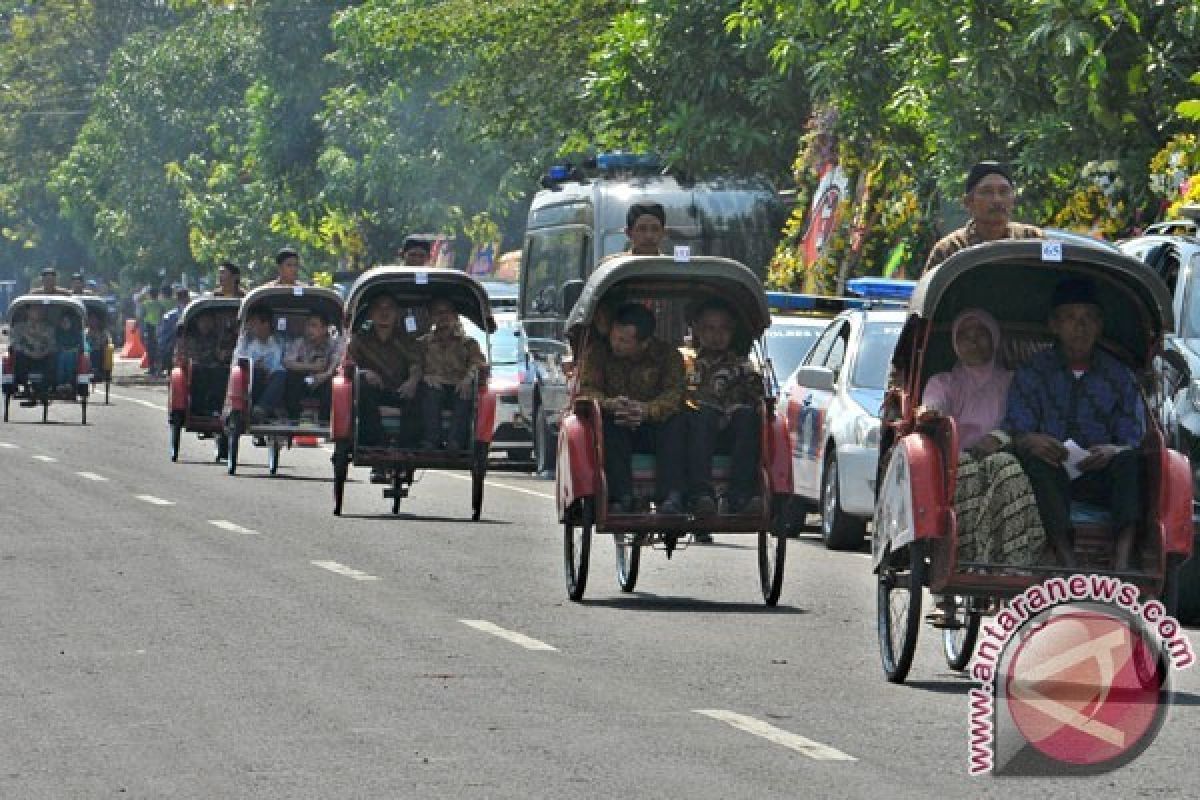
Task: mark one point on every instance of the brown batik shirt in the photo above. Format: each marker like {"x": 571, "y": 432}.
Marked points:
{"x": 968, "y": 236}
{"x": 657, "y": 378}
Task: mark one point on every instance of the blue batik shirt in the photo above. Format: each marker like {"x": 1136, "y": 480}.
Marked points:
{"x": 1102, "y": 406}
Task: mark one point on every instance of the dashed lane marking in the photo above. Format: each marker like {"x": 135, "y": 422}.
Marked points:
{"x": 91, "y": 476}
{"x": 500, "y": 485}
{"x": 139, "y": 401}
{"x": 45, "y": 459}
{"x": 8, "y": 446}
{"x": 516, "y": 638}
{"x": 154, "y": 501}
{"x": 232, "y": 527}
{"x": 342, "y": 569}
{"x": 814, "y": 750}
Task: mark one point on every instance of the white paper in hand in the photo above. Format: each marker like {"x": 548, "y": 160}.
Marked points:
{"x": 1075, "y": 454}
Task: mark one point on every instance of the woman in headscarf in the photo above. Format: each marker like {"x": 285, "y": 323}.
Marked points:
{"x": 998, "y": 521}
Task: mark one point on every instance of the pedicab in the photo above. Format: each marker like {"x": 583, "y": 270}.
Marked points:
{"x": 101, "y": 357}
{"x": 670, "y": 288}
{"x": 395, "y": 460}
{"x": 915, "y": 536}
{"x": 195, "y": 391}
{"x": 63, "y": 375}
{"x": 289, "y": 308}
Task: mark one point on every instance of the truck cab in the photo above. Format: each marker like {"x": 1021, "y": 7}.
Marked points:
{"x": 578, "y": 219}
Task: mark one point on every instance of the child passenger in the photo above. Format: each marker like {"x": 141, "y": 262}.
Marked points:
{"x": 262, "y": 349}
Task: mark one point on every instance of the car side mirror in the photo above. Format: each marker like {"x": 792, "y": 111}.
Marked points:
{"x": 818, "y": 378}
{"x": 1178, "y": 362}
{"x": 571, "y": 291}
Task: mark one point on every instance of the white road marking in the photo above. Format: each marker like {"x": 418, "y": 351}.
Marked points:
{"x": 499, "y": 485}
{"x": 8, "y": 446}
{"x": 808, "y": 747}
{"x": 154, "y": 501}
{"x": 139, "y": 401}
{"x": 45, "y": 459}
{"x": 232, "y": 527}
{"x": 342, "y": 569}
{"x": 516, "y": 638}
{"x": 91, "y": 476}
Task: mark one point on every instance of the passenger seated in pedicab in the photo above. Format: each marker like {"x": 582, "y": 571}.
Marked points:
{"x": 32, "y": 340}
{"x": 209, "y": 354}
{"x": 638, "y": 381}
{"x": 310, "y": 362}
{"x": 724, "y": 397}
{"x": 389, "y": 367}
{"x": 995, "y": 508}
{"x": 66, "y": 341}
{"x": 98, "y": 340}
{"x": 451, "y": 361}
{"x": 263, "y": 350}
{"x": 1074, "y": 406}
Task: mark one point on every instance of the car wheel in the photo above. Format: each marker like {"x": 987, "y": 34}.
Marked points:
{"x": 839, "y": 530}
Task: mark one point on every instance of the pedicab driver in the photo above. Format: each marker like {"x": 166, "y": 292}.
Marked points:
{"x": 49, "y": 283}
{"x": 389, "y": 365}
{"x": 415, "y": 252}
{"x": 639, "y": 381}
{"x": 1074, "y": 404}
{"x": 287, "y": 262}
{"x": 725, "y": 392}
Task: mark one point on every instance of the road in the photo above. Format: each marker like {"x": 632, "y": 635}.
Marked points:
{"x": 175, "y": 632}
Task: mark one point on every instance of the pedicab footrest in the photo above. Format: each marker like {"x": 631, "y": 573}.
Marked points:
{"x": 413, "y": 457}
{"x": 287, "y": 429}
{"x": 682, "y": 523}
{"x": 644, "y": 474}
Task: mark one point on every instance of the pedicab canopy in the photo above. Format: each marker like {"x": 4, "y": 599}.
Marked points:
{"x": 1014, "y": 280}
{"x": 413, "y": 288}
{"x": 288, "y": 306}
{"x": 674, "y": 289}
{"x": 54, "y": 305}
{"x": 219, "y": 306}
{"x": 93, "y": 304}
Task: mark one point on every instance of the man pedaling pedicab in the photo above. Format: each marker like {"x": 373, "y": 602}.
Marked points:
{"x": 33, "y": 345}
{"x": 1075, "y": 405}
{"x": 638, "y": 381}
{"x": 725, "y": 393}
{"x": 389, "y": 368}
{"x": 310, "y": 362}
{"x": 451, "y": 361}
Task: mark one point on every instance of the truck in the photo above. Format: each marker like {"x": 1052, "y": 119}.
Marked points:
{"x": 578, "y": 218}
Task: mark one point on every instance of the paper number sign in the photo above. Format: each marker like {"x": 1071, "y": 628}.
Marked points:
{"x": 1052, "y": 251}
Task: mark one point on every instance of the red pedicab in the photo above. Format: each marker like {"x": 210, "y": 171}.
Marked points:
{"x": 915, "y": 543}
{"x": 396, "y": 457}
{"x": 671, "y": 289}
{"x": 66, "y": 373}
{"x": 289, "y": 308}
{"x": 195, "y": 392}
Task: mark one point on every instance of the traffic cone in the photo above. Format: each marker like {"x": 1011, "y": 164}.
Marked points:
{"x": 305, "y": 440}
{"x": 133, "y": 347}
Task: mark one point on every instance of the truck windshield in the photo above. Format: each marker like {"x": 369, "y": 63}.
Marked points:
{"x": 555, "y": 256}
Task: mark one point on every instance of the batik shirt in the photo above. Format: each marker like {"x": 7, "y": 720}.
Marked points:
{"x": 1102, "y": 406}
{"x": 968, "y": 236}
{"x": 657, "y": 378}
{"x": 392, "y": 359}
{"x": 35, "y": 341}
{"x": 723, "y": 380}
{"x": 451, "y": 360}
{"x": 323, "y": 355}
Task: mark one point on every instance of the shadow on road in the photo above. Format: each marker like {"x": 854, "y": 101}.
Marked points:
{"x": 405, "y": 517}
{"x": 637, "y": 601}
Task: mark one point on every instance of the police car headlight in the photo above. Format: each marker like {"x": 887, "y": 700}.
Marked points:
{"x": 866, "y": 431}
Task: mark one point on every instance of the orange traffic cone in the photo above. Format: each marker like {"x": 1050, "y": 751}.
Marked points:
{"x": 133, "y": 347}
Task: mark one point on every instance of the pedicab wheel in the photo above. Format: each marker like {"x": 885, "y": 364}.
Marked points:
{"x": 341, "y": 467}
{"x": 106, "y": 385}
{"x": 772, "y": 552}
{"x": 274, "y": 447}
{"x": 233, "y": 431}
{"x": 577, "y": 547}
{"x": 396, "y": 498}
{"x": 478, "y": 473}
{"x": 900, "y": 589}
{"x": 176, "y": 434}
{"x": 83, "y": 411}
{"x": 222, "y": 442}
{"x": 7, "y": 400}
{"x": 629, "y": 558}
{"x": 958, "y": 644}
{"x": 46, "y": 409}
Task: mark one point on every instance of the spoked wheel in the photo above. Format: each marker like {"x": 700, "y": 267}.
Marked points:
{"x": 958, "y": 642}
{"x": 772, "y": 552}
{"x": 106, "y": 385}
{"x": 83, "y": 411}
{"x": 899, "y": 611}
{"x": 233, "y": 431}
{"x": 176, "y": 435}
{"x": 46, "y": 409}
{"x": 478, "y": 473}
{"x": 341, "y": 466}
{"x": 577, "y": 547}
{"x": 7, "y": 401}
{"x": 629, "y": 558}
{"x": 222, "y": 447}
{"x": 274, "y": 447}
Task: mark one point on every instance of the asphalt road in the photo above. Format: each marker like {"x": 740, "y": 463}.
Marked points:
{"x": 170, "y": 631}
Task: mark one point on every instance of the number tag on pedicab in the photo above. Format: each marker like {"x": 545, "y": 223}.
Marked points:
{"x": 298, "y": 291}
{"x": 422, "y": 277}
{"x": 683, "y": 253}
{"x": 1052, "y": 251}
{"x": 410, "y": 323}
{"x": 281, "y": 324}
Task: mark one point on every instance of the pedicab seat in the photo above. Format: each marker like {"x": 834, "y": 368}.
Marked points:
{"x": 644, "y": 474}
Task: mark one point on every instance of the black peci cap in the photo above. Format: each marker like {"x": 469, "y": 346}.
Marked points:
{"x": 1074, "y": 291}
{"x": 985, "y": 168}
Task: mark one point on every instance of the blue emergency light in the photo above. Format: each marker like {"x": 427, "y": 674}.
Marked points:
{"x": 892, "y": 289}
{"x": 559, "y": 172}
{"x": 790, "y": 301}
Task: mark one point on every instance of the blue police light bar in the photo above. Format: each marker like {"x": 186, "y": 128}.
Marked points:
{"x": 790, "y": 301}
{"x": 559, "y": 172}
{"x": 882, "y": 288}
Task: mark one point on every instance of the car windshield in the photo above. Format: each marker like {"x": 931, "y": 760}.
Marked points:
{"x": 1189, "y": 326}
{"x": 787, "y": 345}
{"x": 503, "y": 344}
{"x": 875, "y": 354}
